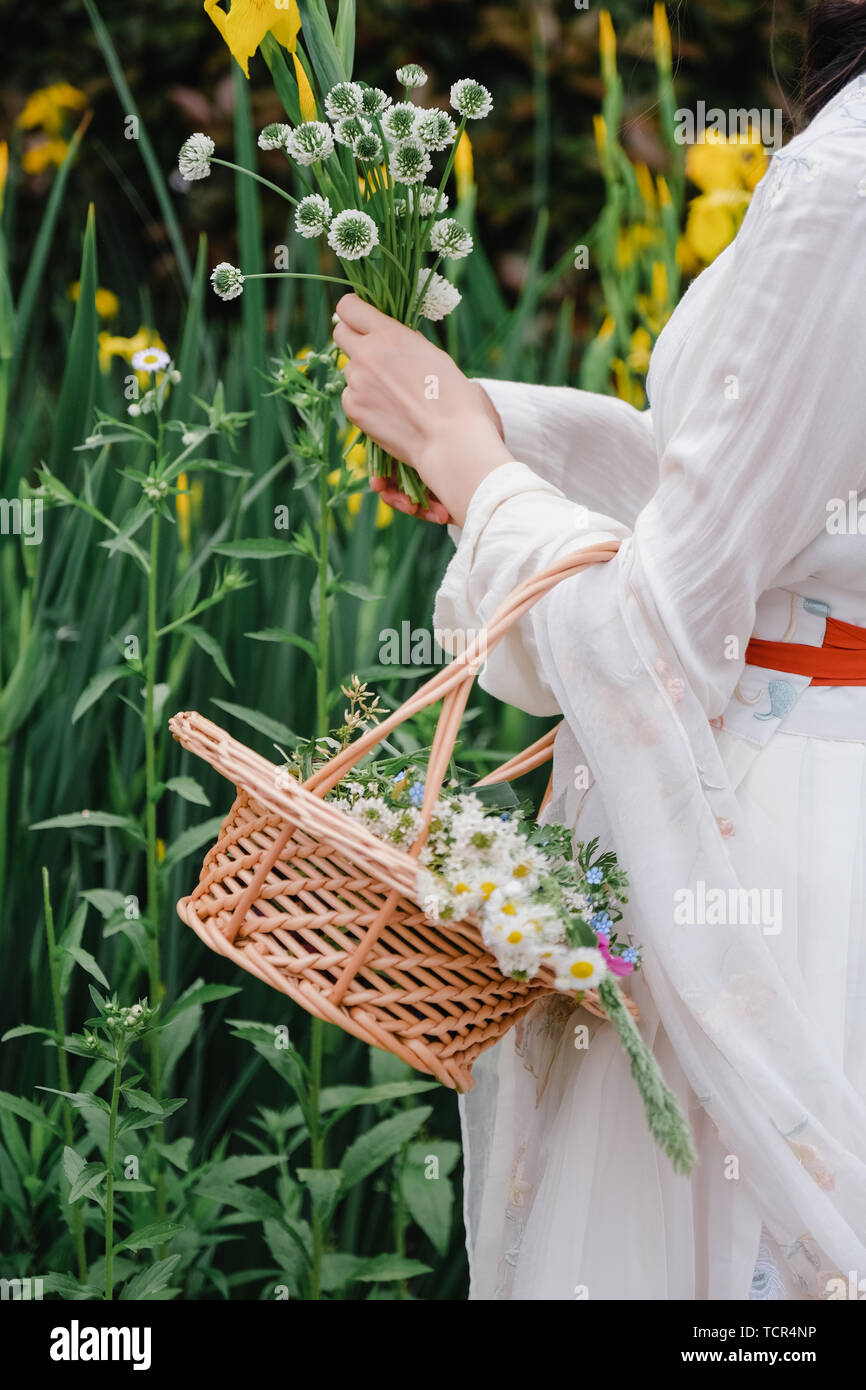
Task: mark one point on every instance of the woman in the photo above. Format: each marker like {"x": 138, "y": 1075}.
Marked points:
{"x": 731, "y": 784}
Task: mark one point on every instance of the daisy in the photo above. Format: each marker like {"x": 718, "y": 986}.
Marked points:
{"x": 151, "y": 359}
{"x": 583, "y": 968}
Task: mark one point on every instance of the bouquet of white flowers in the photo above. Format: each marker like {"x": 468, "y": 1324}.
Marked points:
{"x": 367, "y": 168}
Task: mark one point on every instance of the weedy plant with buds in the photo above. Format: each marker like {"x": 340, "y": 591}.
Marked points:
{"x": 367, "y": 188}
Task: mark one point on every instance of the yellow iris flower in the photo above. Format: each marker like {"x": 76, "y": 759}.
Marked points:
{"x": 356, "y": 463}
{"x": 305, "y": 91}
{"x": 714, "y": 220}
{"x": 107, "y": 302}
{"x": 46, "y": 155}
{"x": 248, "y": 21}
{"x": 111, "y": 346}
{"x": 47, "y": 108}
{"x": 464, "y": 166}
{"x": 713, "y": 162}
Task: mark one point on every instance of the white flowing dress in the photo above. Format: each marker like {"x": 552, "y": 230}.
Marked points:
{"x": 735, "y": 500}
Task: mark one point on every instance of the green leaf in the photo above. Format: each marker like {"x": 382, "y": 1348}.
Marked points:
{"x": 290, "y": 1250}
{"x": 341, "y": 1099}
{"x": 76, "y": 819}
{"x": 339, "y": 1270}
{"x": 319, "y": 42}
{"x": 189, "y": 789}
{"x": 143, "y": 1100}
{"x": 380, "y": 1143}
{"x": 97, "y": 687}
{"x": 255, "y": 548}
{"x": 150, "y": 1281}
{"x": 87, "y": 962}
{"x": 27, "y": 680}
{"x": 271, "y": 728}
{"x": 192, "y": 839}
{"x": 430, "y": 1198}
{"x": 277, "y": 634}
{"x": 26, "y": 1110}
{"x": 344, "y": 35}
{"x": 251, "y": 1202}
{"x": 211, "y": 646}
{"x": 68, "y": 1288}
{"x": 71, "y": 416}
{"x": 148, "y": 1237}
{"x": 107, "y": 901}
{"x": 350, "y": 586}
{"x": 241, "y": 1166}
{"x": 90, "y": 1177}
{"x": 324, "y": 1187}
{"x": 199, "y": 994}
{"x": 177, "y": 1153}
{"x": 23, "y": 1030}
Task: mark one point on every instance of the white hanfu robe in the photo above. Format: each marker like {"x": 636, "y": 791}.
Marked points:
{"x": 735, "y": 498}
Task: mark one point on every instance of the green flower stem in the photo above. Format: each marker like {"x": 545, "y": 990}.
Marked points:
{"x": 109, "y": 1176}
{"x": 239, "y": 169}
{"x": 63, "y": 1068}
{"x": 298, "y": 275}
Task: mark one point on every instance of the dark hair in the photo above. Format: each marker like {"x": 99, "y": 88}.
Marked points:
{"x": 835, "y": 50}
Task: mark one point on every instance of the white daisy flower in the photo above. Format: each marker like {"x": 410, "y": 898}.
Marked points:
{"x": 312, "y": 215}
{"x": 411, "y": 75}
{"x": 227, "y": 280}
{"x": 274, "y": 136}
{"x": 440, "y": 297}
{"x": 374, "y": 101}
{"x": 151, "y": 359}
{"x": 310, "y": 142}
{"x": 583, "y": 968}
{"x": 345, "y": 99}
{"x": 368, "y": 148}
{"x": 353, "y": 234}
{"x": 398, "y": 121}
{"x": 435, "y": 129}
{"x": 347, "y": 131}
{"x": 194, "y": 157}
{"x": 471, "y": 99}
{"x": 409, "y": 162}
{"x": 450, "y": 238}
{"x": 430, "y": 200}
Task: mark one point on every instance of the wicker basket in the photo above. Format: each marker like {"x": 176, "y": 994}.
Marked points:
{"x": 297, "y": 893}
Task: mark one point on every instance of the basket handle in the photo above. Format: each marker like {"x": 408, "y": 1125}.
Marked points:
{"x": 453, "y": 684}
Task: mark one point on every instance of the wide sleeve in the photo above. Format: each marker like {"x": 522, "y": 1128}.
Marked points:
{"x": 769, "y": 428}
{"x": 596, "y": 449}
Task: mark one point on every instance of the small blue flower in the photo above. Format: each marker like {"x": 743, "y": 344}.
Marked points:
{"x": 416, "y": 793}
{"x": 630, "y": 954}
{"x": 602, "y": 923}
{"x": 594, "y": 876}
{"x": 505, "y": 816}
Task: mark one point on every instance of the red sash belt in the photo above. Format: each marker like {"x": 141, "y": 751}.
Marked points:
{"x": 840, "y": 661}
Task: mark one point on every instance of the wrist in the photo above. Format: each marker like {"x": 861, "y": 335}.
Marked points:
{"x": 458, "y": 457}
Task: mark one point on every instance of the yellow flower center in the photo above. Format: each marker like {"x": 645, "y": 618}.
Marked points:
{"x": 521, "y": 871}
{"x": 509, "y": 909}
{"x": 462, "y": 888}
{"x": 581, "y": 970}
{"x": 514, "y": 937}
{"x": 487, "y": 889}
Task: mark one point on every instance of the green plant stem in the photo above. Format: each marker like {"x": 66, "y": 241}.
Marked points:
{"x": 150, "y": 783}
{"x": 239, "y": 169}
{"x": 63, "y": 1067}
{"x": 317, "y": 1028}
{"x": 109, "y": 1177}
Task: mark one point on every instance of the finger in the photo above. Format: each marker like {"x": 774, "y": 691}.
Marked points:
{"x": 437, "y": 512}
{"x": 362, "y": 317}
{"x": 346, "y": 338}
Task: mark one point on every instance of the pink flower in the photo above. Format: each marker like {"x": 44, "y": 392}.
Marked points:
{"x": 615, "y": 964}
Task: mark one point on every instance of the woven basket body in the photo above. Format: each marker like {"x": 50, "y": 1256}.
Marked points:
{"x": 298, "y": 894}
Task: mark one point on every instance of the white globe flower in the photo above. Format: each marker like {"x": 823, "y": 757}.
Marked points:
{"x": 353, "y": 234}
{"x": 430, "y": 200}
{"x": 411, "y": 75}
{"x": 471, "y": 99}
{"x": 194, "y": 157}
{"x": 450, "y": 238}
{"x": 436, "y": 129}
{"x": 227, "y": 280}
{"x": 345, "y": 99}
{"x": 399, "y": 120}
{"x": 440, "y": 298}
{"x": 347, "y": 131}
{"x": 152, "y": 359}
{"x": 374, "y": 101}
{"x": 274, "y": 136}
{"x": 310, "y": 142}
{"x": 409, "y": 162}
{"x": 368, "y": 148}
{"x": 312, "y": 215}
